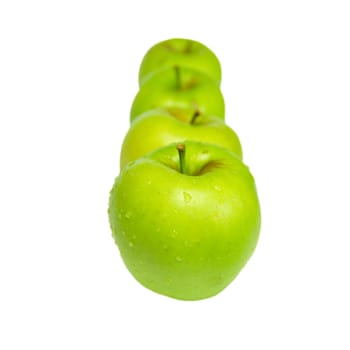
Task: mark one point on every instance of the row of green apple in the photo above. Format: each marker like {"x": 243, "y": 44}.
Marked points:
{"x": 184, "y": 210}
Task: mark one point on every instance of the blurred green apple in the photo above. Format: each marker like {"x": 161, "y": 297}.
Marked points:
{"x": 179, "y": 87}
{"x": 186, "y": 219}
{"x": 160, "y": 127}
{"x": 182, "y": 52}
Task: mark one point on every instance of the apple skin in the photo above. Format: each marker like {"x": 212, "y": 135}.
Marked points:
{"x": 179, "y": 87}
{"x": 160, "y": 127}
{"x": 183, "y": 52}
{"x": 185, "y": 235}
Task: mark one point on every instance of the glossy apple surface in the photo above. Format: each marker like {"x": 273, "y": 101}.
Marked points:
{"x": 185, "y": 229}
{"x": 179, "y": 87}
{"x": 160, "y": 127}
{"x": 182, "y": 52}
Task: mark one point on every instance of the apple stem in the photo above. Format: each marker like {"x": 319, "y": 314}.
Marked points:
{"x": 188, "y": 47}
{"x": 177, "y": 77}
{"x": 181, "y": 149}
{"x": 196, "y": 114}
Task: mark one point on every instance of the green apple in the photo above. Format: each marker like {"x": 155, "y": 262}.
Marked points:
{"x": 160, "y": 127}
{"x": 179, "y": 87}
{"x": 186, "y": 219}
{"x": 182, "y": 52}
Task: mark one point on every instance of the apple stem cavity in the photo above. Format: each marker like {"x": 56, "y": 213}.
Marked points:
{"x": 177, "y": 77}
{"x": 181, "y": 149}
{"x": 196, "y": 114}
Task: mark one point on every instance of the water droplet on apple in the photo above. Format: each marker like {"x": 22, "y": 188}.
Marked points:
{"x": 187, "y": 197}
{"x": 128, "y": 215}
{"x": 217, "y": 188}
{"x": 174, "y": 234}
{"x": 123, "y": 233}
{"x": 178, "y": 259}
{"x": 157, "y": 229}
{"x": 165, "y": 247}
{"x": 131, "y": 244}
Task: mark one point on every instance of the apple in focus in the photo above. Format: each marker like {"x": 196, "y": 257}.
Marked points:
{"x": 186, "y": 219}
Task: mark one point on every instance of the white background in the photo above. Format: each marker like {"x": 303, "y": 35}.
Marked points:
{"x": 68, "y": 74}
